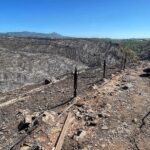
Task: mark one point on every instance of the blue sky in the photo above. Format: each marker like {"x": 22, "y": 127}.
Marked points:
{"x": 80, "y": 18}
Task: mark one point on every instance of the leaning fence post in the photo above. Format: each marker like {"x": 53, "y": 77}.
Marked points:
{"x": 104, "y": 69}
{"x": 75, "y": 82}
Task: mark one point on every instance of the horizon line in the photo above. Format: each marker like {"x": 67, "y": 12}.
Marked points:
{"x": 78, "y": 36}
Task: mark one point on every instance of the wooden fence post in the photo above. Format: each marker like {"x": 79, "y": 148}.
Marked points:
{"x": 75, "y": 82}
{"x": 125, "y": 61}
{"x": 122, "y": 63}
{"x": 104, "y": 69}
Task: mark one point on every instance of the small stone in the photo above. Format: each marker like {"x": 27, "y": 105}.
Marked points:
{"x": 103, "y": 145}
{"x": 80, "y": 135}
{"x": 104, "y": 127}
{"x": 108, "y": 106}
{"x": 95, "y": 87}
{"x": 25, "y": 148}
{"x": 130, "y": 85}
{"x": 134, "y": 120}
{"x": 49, "y": 117}
{"x": 79, "y": 104}
{"x": 28, "y": 119}
{"x": 78, "y": 114}
{"x": 90, "y": 110}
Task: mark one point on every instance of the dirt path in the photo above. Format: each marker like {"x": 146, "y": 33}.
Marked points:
{"x": 120, "y": 105}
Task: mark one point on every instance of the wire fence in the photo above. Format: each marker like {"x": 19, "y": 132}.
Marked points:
{"x": 69, "y": 86}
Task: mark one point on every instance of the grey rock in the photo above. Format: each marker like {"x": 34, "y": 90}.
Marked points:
{"x": 104, "y": 127}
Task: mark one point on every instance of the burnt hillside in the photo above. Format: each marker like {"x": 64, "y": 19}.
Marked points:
{"x": 31, "y": 60}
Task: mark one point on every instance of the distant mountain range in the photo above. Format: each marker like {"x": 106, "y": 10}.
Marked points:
{"x": 53, "y": 35}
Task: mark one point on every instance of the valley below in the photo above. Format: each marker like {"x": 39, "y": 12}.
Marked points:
{"x": 26, "y": 61}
